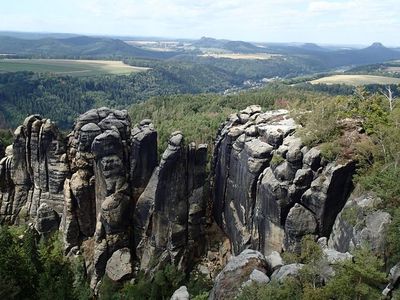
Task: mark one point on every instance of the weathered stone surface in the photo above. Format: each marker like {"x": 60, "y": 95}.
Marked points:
{"x": 34, "y": 171}
{"x": 360, "y": 223}
{"x": 394, "y": 279}
{"x": 238, "y": 271}
{"x": 143, "y": 156}
{"x": 181, "y": 294}
{"x": 170, "y": 214}
{"x": 299, "y": 222}
{"x": 47, "y": 219}
{"x": 286, "y": 271}
{"x": 274, "y": 260}
{"x": 119, "y": 266}
{"x": 261, "y": 170}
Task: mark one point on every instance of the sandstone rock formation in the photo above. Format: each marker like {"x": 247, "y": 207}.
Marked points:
{"x": 127, "y": 212}
{"x": 269, "y": 190}
{"x": 119, "y": 266}
{"x": 238, "y": 271}
{"x": 394, "y": 278}
{"x": 359, "y": 223}
{"x": 33, "y": 171}
{"x": 181, "y": 294}
{"x": 170, "y": 215}
{"x": 104, "y": 181}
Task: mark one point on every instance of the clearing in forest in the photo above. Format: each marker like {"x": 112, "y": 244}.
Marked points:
{"x": 68, "y": 66}
{"x": 356, "y": 80}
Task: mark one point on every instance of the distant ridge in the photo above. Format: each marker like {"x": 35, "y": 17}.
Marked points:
{"x": 77, "y": 46}
{"x": 233, "y": 46}
{"x": 313, "y": 47}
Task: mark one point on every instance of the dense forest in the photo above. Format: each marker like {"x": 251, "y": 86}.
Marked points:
{"x": 199, "y": 116}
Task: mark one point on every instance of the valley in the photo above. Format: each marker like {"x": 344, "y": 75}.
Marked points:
{"x": 160, "y": 168}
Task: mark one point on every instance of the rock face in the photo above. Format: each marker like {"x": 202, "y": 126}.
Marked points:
{"x": 47, "y": 219}
{"x": 119, "y": 266}
{"x": 33, "y": 171}
{"x": 105, "y": 185}
{"x": 247, "y": 266}
{"x": 360, "y": 224}
{"x": 394, "y": 278}
{"x": 170, "y": 215}
{"x": 127, "y": 212}
{"x": 269, "y": 190}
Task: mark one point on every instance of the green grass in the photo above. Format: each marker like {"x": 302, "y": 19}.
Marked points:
{"x": 68, "y": 67}
{"x": 356, "y": 80}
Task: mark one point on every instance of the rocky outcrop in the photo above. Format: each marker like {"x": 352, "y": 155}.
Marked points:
{"x": 119, "y": 266}
{"x": 127, "y": 212}
{"x": 360, "y": 223}
{"x": 394, "y": 279}
{"x": 33, "y": 171}
{"x": 181, "y": 294}
{"x": 286, "y": 271}
{"x": 269, "y": 190}
{"x": 170, "y": 215}
{"x": 47, "y": 219}
{"x": 247, "y": 266}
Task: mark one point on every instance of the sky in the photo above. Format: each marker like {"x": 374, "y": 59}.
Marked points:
{"x": 318, "y": 21}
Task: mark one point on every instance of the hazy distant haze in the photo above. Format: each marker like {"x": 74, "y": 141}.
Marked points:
{"x": 325, "y": 21}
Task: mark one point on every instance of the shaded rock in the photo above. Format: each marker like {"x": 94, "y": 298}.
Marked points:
{"x": 394, "y": 279}
{"x": 238, "y": 271}
{"x": 143, "y": 156}
{"x": 328, "y": 194}
{"x": 47, "y": 219}
{"x": 170, "y": 214}
{"x": 299, "y": 222}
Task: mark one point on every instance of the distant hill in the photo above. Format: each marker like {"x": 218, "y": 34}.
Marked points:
{"x": 233, "y": 46}
{"x": 36, "y": 35}
{"x": 207, "y": 42}
{"x": 373, "y": 54}
{"x": 75, "y": 47}
{"x": 313, "y": 47}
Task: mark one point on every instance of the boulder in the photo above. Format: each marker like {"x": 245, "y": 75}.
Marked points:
{"x": 394, "y": 279}
{"x": 249, "y": 265}
{"x": 119, "y": 265}
{"x": 299, "y": 222}
{"x": 181, "y": 294}
{"x": 47, "y": 219}
{"x": 360, "y": 223}
{"x": 286, "y": 271}
{"x": 274, "y": 260}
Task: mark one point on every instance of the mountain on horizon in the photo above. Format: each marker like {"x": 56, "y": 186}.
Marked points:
{"x": 233, "y": 46}
{"x": 77, "y": 46}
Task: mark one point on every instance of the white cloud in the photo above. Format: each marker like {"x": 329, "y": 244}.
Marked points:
{"x": 260, "y": 20}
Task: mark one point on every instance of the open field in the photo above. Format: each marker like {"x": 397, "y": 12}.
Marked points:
{"x": 356, "y": 80}
{"x": 393, "y": 69}
{"x": 252, "y": 56}
{"x": 68, "y": 67}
